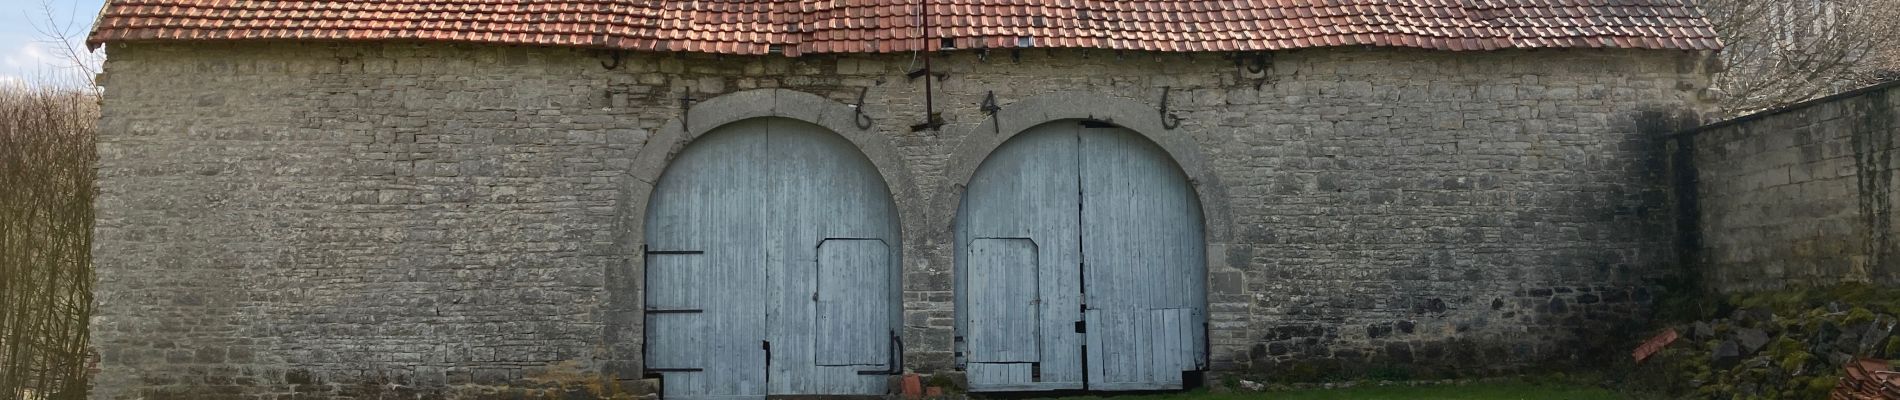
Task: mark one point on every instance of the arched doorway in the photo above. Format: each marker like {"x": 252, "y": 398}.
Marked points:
{"x": 1081, "y": 264}
{"x": 771, "y": 266}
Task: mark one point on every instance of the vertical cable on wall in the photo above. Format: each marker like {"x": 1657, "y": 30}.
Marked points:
{"x": 932, "y": 119}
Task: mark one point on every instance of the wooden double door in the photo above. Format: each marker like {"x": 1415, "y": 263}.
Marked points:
{"x": 771, "y": 267}
{"x": 1081, "y": 265}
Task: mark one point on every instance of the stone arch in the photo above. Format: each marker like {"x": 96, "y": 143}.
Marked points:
{"x": 621, "y": 333}
{"x": 1143, "y": 119}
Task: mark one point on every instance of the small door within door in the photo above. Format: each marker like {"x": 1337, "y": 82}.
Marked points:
{"x": 1099, "y": 230}
{"x": 1005, "y": 321}
{"x": 853, "y": 328}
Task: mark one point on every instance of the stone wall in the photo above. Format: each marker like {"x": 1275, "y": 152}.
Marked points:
{"x": 326, "y": 220}
{"x": 1799, "y": 196}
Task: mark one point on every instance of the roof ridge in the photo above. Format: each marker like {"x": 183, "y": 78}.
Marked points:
{"x": 857, "y": 26}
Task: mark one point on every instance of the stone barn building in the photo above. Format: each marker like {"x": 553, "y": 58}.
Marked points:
{"x": 747, "y": 198}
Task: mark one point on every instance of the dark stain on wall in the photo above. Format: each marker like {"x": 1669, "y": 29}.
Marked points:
{"x": 1873, "y": 161}
{"x": 1678, "y": 173}
{"x": 1796, "y": 196}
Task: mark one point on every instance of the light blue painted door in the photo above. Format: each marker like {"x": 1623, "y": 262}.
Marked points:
{"x": 1099, "y": 231}
{"x": 1004, "y": 335}
{"x": 830, "y": 220}
{"x": 1143, "y": 260}
{"x": 1019, "y": 255}
{"x": 768, "y": 266}
{"x": 702, "y": 248}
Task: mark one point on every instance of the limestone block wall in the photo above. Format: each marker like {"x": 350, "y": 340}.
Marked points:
{"x": 1799, "y": 196}
{"x": 322, "y": 220}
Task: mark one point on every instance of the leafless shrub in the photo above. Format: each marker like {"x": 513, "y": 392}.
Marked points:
{"x": 46, "y": 192}
{"x": 1782, "y": 52}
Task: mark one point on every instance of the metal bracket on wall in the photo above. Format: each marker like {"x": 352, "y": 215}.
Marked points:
{"x": 1168, "y": 119}
{"x": 935, "y": 121}
{"x": 897, "y": 358}
{"x": 616, "y": 54}
{"x": 921, "y": 72}
{"x": 686, "y": 110}
{"x": 1258, "y": 63}
{"x": 932, "y": 118}
{"x": 990, "y": 108}
{"x": 857, "y": 110}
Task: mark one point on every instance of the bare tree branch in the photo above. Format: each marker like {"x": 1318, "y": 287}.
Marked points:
{"x": 67, "y": 34}
{"x": 1785, "y": 51}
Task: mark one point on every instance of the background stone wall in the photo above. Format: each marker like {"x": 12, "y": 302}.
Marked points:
{"x": 323, "y": 220}
{"x": 1800, "y": 196}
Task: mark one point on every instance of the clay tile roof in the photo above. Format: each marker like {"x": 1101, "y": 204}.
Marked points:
{"x": 871, "y": 26}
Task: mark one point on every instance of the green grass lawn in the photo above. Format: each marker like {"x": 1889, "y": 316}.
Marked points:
{"x": 1482, "y": 391}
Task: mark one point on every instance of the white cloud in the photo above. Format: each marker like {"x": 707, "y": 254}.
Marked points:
{"x": 27, "y": 56}
{"x": 36, "y": 61}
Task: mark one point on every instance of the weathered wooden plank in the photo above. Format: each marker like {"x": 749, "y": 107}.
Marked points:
{"x": 1098, "y": 359}
{"x": 1001, "y": 376}
{"x": 671, "y": 337}
{"x": 1160, "y": 353}
{"x": 1171, "y": 356}
{"x": 1117, "y": 353}
{"x": 1197, "y": 331}
{"x": 1140, "y": 354}
{"x": 853, "y": 305}
{"x": 1004, "y": 317}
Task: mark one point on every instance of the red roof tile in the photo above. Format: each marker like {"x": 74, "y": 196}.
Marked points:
{"x": 870, "y": 26}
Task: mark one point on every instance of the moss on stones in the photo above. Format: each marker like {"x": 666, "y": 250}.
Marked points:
{"x": 1811, "y": 333}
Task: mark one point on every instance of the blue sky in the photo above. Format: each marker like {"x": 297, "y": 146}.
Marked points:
{"x": 25, "y": 54}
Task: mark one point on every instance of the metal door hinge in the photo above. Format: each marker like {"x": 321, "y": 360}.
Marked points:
{"x": 896, "y": 361}
{"x": 673, "y": 311}
{"x": 644, "y": 250}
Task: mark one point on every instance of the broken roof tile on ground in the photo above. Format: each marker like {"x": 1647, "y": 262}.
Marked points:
{"x": 873, "y": 26}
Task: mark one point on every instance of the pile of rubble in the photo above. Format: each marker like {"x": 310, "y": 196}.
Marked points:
{"x": 1868, "y": 379}
{"x": 1770, "y": 351}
